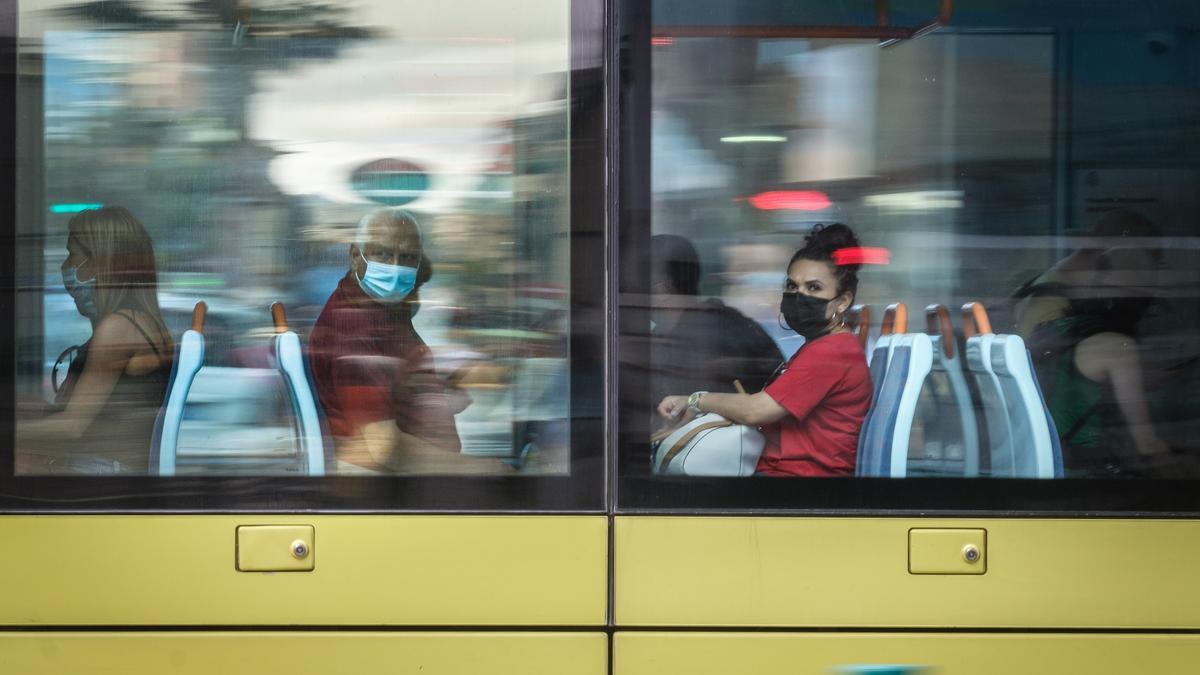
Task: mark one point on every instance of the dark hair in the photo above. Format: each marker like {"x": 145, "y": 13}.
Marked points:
{"x": 675, "y": 257}
{"x": 820, "y": 245}
{"x": 424, "y": 271}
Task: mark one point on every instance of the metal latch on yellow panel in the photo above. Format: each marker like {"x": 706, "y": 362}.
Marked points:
{"x": 275, "y": 548}
{"x": 947, "y": 551}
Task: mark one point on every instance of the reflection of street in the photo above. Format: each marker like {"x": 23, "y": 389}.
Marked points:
{"x": 238, "y": 157}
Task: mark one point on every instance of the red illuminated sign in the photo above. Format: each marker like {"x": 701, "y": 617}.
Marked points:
{"x": 791, "y": 200}
{"x": 862, "y": 255}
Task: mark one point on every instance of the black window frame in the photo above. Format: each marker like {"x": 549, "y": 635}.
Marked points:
{"x": 582, "y": 491}
{"x": 639, "y": 492}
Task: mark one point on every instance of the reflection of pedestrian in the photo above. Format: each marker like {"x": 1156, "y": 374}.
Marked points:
{"x": 697, "y": 344}
{"x": 1091, "y": 372}
{"x": 1048, "y": 296}
{"x": 387, "y": 407}
{"x": 115, "y": 382}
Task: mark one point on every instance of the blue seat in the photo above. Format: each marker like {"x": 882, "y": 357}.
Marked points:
{"x": 948, "y": 359}
{"x": 290, "y": 362}
{"x": 906, "y": 360}
{"x": 189, "y": 357}
{"x": 878, "y": 357}
{"x": 978, "y": 330}
{"x": 1038, "y": 451}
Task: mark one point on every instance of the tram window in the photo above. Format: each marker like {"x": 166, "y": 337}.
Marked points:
{"x": 1045, "y": 174}
{"x": 395, "y": 178}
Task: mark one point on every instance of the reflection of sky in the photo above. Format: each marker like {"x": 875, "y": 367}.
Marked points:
{"x": 680, "y": 164}
{"x": 438, "y": 104}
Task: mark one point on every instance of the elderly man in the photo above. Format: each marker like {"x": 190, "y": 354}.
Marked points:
{"x": 388, "y": 410}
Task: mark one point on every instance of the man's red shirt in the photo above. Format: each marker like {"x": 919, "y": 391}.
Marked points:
{"x": 369, "y": 365}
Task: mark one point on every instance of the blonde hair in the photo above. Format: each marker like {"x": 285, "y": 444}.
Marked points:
{"x": 122, "y": 254}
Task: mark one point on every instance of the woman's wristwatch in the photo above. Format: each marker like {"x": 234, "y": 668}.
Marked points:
{"x": 694, "y": 402}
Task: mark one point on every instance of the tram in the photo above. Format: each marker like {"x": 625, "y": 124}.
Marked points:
{"x": 377, "y": 337}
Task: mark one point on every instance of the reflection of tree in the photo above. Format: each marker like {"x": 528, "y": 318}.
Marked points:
{"x": 297, "y": 19}
{"x": 183, "y": 158}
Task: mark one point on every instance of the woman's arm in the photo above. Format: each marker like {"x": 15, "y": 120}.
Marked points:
{"x": 113, "y": 345}
{"x": 1113, "y": 358}
{"x": 753, "y": 410}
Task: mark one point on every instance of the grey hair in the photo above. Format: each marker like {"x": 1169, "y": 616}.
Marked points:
{"x": 394, "y": 214}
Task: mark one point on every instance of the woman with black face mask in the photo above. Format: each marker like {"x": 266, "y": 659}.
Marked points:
{"x": 812, "y": 411}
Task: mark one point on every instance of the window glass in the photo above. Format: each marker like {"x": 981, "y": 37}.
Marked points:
{"x": 1019, "y": 186}
{"x": 394, "y": 178}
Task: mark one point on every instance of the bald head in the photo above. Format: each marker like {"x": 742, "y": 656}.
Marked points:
{"x": 389, "y": 236}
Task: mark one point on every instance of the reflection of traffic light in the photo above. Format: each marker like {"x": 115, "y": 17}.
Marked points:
{"x": 73, "y": 208}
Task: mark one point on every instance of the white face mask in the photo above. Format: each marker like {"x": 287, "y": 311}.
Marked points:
{"x": 387, "y": 283}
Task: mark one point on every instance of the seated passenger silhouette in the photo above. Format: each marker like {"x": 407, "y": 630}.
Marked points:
{"x": 115, "y": 382}
{"x": 1047, "y": 297}
{"x": 699, "y": 344}
{"x": 1091, "y": 372}
{"x": 387, "y": 408}
{"x": 812, "y": 413}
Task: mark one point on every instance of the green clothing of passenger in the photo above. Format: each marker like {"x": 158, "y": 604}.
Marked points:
{"x": 1085, "y": 414}
{"x": 1075, "y": 400}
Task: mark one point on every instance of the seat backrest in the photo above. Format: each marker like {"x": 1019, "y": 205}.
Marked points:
{"x": 948, "y": 359}
{"x": 895, "y": 321}
{"x": 978, "y": 330}
{"x": 877, "y": 360}
{"x": 883, "y": 443}
{"x": 1037, "y": 455}
{"x": 289, "y": 360}
{"x": 189, "y": 357}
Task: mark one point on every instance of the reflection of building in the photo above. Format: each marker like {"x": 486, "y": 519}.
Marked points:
{"x": 540, "y": 187}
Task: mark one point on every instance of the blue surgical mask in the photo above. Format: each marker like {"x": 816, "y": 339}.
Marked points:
{"x": 387, "y": 283}
{"x": 84, "y": 292}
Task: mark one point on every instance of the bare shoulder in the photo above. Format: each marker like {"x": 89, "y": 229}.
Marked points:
{"x": 1107, "y": 345}
{"x": 117, "y": 332}
{"x": 1104, "y": 351}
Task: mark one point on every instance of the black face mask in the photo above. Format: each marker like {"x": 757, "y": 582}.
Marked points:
{"x": 805, "y": 314}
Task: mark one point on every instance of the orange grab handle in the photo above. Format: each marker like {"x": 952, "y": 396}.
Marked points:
{"x": 895, "y": 319}
{"x": 199, "y": 313}
{"x": 937, "y": 319}
{"x": 975, "y": 319}
{"x": 862, "y": 323}
{"x": 279, "y": 316}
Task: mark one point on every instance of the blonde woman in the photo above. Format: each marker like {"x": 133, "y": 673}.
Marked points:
{"x": 117, "y": 380}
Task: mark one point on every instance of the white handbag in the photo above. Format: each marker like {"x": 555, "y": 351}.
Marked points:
{"x": 709, "y": 445}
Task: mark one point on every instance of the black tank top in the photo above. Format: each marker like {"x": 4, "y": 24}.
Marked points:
{"x": 123, "y": 429}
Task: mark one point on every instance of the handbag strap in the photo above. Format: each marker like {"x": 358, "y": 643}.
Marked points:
{"x": 687, "y": 438}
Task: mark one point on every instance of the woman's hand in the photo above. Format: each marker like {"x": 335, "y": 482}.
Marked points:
{"x": 673, "y": 407}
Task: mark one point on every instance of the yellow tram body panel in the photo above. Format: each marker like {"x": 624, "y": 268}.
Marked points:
{"x": 366, "y": 570}
{"x": 784, "y": 572}
{"x": 653, "y": 653}
{"x": 304, "y": 653}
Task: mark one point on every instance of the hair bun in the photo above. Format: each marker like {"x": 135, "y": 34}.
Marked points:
{"x": 830, "y": 238}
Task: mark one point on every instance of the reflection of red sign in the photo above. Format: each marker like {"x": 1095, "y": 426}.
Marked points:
{"x": 390, "y": 181}
{"x": 791, "y": 200}
{"x": 862, "y": 255}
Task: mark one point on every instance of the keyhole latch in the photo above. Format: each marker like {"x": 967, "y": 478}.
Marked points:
{"x": 276, "y": 548}
{"x": 947, "y": 551}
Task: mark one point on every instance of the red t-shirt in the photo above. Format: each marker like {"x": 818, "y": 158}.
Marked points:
{"x": 826, "y": 389}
